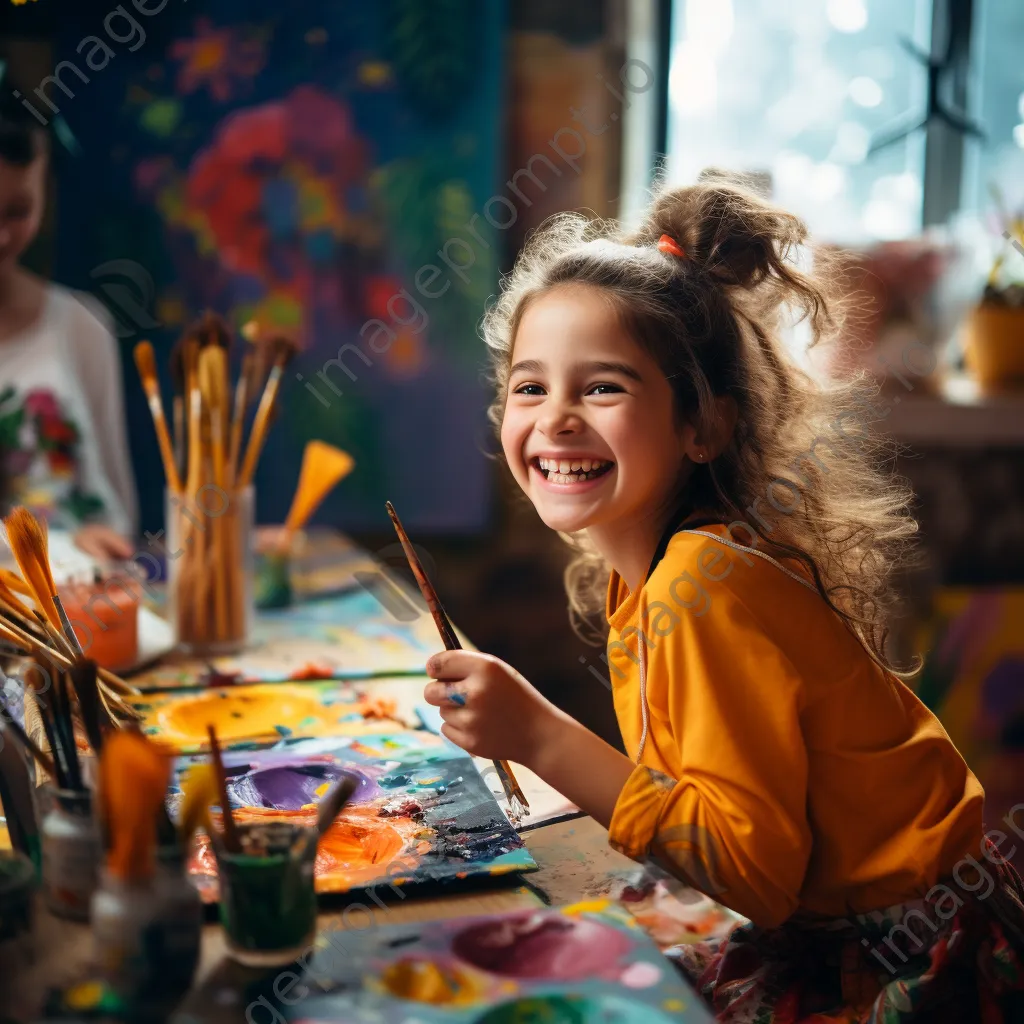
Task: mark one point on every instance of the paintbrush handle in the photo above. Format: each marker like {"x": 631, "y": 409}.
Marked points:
{"x": 8, "y": 724}
{"x": 441, "y": 620}
{"x": 232, "y": 842}
{"x": 163, "y": 438}
{"x": 260, "y": 427}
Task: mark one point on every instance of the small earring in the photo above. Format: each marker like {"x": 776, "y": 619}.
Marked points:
{"x": 700, "y": 456}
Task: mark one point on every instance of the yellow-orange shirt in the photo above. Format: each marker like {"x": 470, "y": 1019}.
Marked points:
{"x": 782, "y": 768}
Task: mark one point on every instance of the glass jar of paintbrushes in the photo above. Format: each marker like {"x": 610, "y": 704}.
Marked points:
{"x": 210, "y": 569}
{"x": 210, "y": 470}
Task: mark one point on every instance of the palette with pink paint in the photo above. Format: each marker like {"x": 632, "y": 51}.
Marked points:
{"x": 589, "y": 963}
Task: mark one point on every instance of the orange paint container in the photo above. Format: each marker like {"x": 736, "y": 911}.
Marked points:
{"x": 105, "y": 618}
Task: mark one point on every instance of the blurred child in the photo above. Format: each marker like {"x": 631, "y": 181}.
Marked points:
{"x": 63, "y": 443}
{"x": 742, "y": 543}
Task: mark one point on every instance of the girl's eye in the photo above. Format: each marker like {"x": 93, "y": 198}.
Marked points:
{"x": 605, "y": 389}
{"x": 528, "y": 389}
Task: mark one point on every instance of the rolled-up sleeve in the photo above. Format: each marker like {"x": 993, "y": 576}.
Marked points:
{"x": 734, "y": 823}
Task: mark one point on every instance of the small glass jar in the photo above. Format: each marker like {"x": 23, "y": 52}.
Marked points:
{"x": 210, "y": 541}
{"x": 72, "y": 852}
{"x": 268, "y": 900}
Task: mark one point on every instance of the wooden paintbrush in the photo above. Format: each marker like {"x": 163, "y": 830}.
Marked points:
{"x": 94, "y": 716}
{"x": 513, "y": 792}
{"x": 238, "y": 416}
{"x": 232, "y": 842}
{"x": 15, "y": 582}
{"x": 283, "y": 350}
{"x": 145, "y": 361}
{"x": 12, "y": 728}
{"x": 27, "y": 539}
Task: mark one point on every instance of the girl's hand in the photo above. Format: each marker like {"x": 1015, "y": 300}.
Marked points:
{"x": 103, "y": 543}
{"x": 488, "y": 708}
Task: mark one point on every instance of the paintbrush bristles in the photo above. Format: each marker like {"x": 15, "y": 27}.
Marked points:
{"x": 133, "y": 777}
{"x": 28, "y": 544}
{"x": 323, "y": 466}
{"x": 14, "y": 582}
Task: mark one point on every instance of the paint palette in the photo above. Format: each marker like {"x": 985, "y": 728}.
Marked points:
{"x": 247, "y": 714}
{"x": 351, "y": 636}
{"x": 589, "y": 963}
{"x": 421, "y": 811}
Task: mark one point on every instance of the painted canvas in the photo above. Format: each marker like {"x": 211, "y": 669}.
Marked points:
{"x": 588, "y": 963}
{"x": 973, "y": 679}
{"x": 326, "y": 169}
{"x": 350, "y": 636}
{"x": 261, "y": 713}
{"x": 421, "y": 811}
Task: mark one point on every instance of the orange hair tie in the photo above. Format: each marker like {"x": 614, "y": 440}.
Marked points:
{"x": 668, "y": 244}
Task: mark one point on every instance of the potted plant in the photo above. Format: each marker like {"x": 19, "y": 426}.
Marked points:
{"x": 994, "y": 330}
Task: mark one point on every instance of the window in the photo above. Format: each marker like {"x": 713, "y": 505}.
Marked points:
{"x": 802, "y": 90}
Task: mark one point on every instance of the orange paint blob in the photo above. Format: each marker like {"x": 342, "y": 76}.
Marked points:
{"x": 426, "y": 981}
{"x": 358, "y": 849}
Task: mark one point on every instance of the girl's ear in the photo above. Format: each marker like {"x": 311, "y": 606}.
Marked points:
{"x": 703, "y": 446}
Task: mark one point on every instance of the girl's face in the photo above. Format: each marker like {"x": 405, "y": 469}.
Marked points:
{"x": 22, "y": 198}
{"x": 589, "y": 431}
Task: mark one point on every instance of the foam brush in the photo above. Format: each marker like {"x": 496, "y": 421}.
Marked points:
{"x": 323, "y": 466}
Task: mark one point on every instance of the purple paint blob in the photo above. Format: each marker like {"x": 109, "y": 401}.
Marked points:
{"x": 552, "y": 947}
{"x": 288, "y": 787}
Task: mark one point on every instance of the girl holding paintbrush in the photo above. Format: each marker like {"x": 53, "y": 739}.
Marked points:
{"x": 729, "y": 517}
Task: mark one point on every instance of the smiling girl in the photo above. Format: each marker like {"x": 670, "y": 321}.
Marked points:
{"x": 63, "y": 442}
{"x": 742, "y": 544}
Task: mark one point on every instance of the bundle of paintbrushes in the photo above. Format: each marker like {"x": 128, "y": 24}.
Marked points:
{"x": 209, "y": 469}
{"x": 34, "y": 624}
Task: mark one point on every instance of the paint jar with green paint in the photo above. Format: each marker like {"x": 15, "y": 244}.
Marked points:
{"x": 267, "y": 896}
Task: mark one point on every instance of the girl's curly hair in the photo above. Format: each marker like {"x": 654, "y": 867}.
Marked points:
{"x": 712, "y": 321}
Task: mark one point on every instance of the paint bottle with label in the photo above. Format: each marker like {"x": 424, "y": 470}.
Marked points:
{"x": 72, "y": 852}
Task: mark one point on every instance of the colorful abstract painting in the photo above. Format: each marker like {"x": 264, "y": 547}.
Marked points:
{"x": 973, "y": 679}
{"x": 346, "y": 637}
{"x": 421, "y": 812}
{"x": 260, "y": 713}
{"x": 586, "y": 963}
{"x": 309, "y": 166}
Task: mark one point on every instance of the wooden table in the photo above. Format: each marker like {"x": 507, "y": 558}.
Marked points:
{"x": 575, "y": 863}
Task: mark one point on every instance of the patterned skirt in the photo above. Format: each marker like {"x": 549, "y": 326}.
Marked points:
{"x": 955, "y": 957}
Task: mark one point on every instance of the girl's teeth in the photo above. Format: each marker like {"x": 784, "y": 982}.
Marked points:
{"x": 564, "y": 467}
{"x": 585, "y": 465}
